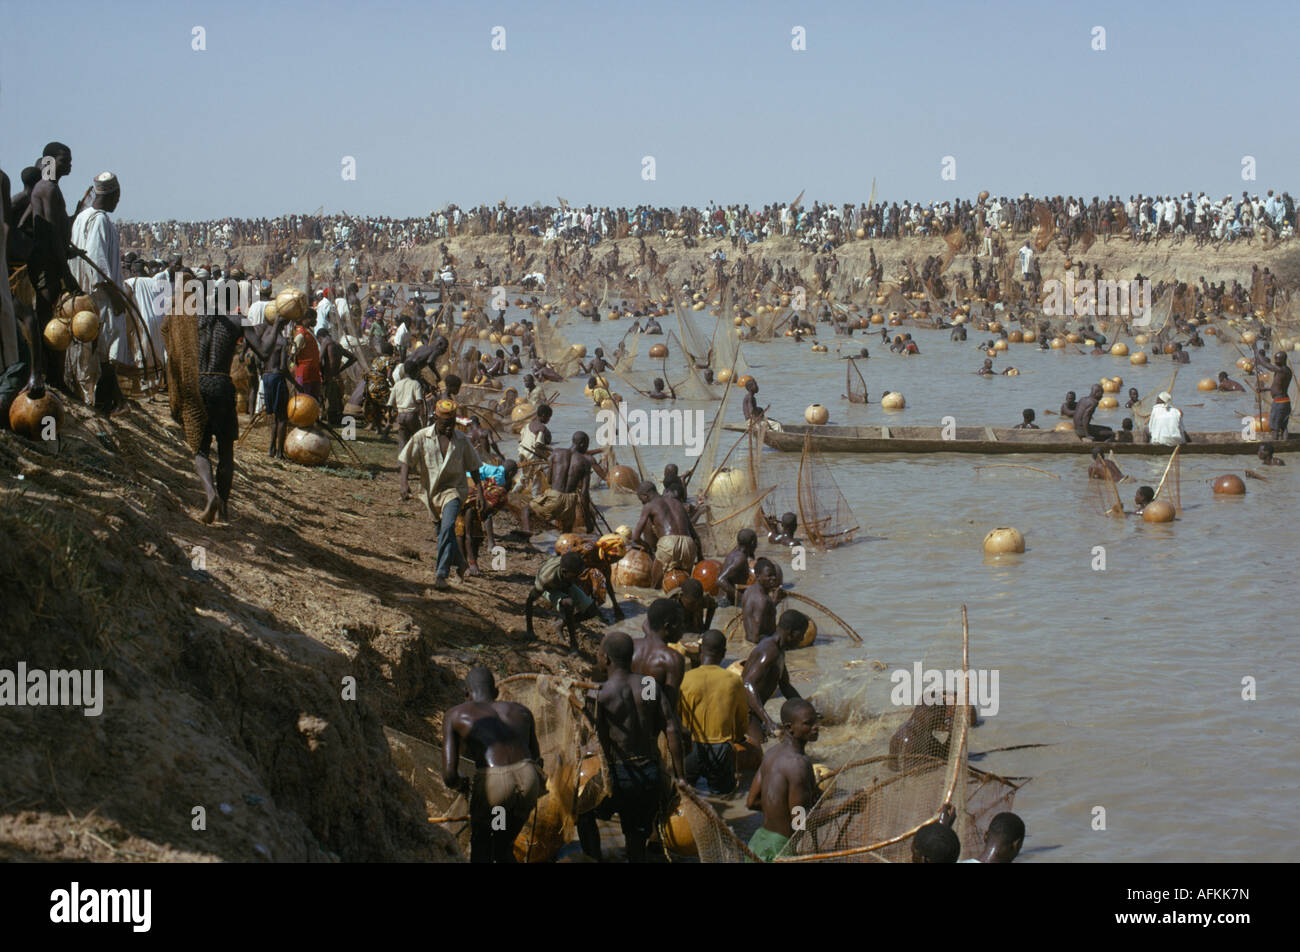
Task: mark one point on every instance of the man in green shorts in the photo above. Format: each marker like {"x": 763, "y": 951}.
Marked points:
{"x": 785, "y": 787}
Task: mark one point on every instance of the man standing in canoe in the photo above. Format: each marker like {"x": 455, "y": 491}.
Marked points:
{"x": 1279, "y": 415}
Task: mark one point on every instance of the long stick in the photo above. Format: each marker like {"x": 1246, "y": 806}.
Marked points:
{"x": 1172, "y": 456}
{"x": 1018, "y": 466}
{"x": 848, "y": 629}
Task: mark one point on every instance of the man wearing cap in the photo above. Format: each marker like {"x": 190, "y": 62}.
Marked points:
{"x": 1166, "y": 423}
{"x": 444, "y": 459}
{"x": 95, "y": 234}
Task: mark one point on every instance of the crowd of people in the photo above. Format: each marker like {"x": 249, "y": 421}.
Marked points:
{"x": 390, "y": 358}
{"x": 1200, "y": 217}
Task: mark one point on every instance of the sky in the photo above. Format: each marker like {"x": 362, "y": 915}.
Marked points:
{"x": 262, "y": 120}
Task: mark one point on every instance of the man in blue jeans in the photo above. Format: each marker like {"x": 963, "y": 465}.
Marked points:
{"x": 444, "y": 459}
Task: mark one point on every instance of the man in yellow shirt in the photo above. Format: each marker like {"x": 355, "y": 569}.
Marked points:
{"x": 713, "y": 708}
{"x": 443, "y": 457}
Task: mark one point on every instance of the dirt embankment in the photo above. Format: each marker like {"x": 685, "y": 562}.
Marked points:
{"x": 226, "y": 651}
{"x": 1118, "y": 258}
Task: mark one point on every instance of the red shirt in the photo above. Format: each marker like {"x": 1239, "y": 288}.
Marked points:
{"x": 307, "y": 367}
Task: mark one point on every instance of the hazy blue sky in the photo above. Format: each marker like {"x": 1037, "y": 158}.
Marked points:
{"x": 259, "y": 122}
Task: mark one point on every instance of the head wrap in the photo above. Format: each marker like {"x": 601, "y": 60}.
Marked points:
{"x": 1164, "y": 396}
{"x": 106, "y": 183}
{"x": 445, "y": 409}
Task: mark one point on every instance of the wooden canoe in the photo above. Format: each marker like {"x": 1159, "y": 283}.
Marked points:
{"x": 990, "y": 440}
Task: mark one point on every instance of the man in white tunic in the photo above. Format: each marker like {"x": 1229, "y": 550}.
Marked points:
{"x": 152, "y": 296}
{"x": 90, "y": 364}
{"x": 1166, "y": 423}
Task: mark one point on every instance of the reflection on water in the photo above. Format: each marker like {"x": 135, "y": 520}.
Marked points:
{"x": 1133, "y": 674}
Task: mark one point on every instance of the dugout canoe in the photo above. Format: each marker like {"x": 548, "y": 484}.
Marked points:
{"x": 990, "y": 441}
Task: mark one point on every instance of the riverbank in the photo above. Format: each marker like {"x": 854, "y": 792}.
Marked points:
{"x": 227, "y": 651}
{"x": 1117, "y": 257}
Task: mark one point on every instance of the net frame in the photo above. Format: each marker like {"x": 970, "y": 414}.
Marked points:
{"x": 951, "y": 780}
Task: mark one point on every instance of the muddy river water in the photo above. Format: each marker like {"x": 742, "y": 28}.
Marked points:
{"x": 1132, "y": 674}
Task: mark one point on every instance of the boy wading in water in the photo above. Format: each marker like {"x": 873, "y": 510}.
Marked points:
{"x": 785, "y": 787}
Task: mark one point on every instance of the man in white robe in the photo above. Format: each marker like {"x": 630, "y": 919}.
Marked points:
{"x": 95, "y": 234}
{"x": 152, "y": 296}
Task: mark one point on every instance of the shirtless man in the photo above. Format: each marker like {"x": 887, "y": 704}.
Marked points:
{"x": 652, "y": 656}
{"x": 1133, "y": 398}
{"x": 785, "y": 781}
{"x": 735, "y": 567}
{"x": 914, "y": 742}
{"x": 659, "y": 393}
{"x": 501, "y": 738}
{"x": 987, "y": 370}
{"x": 598, "y": 363}
{"x": 1228, "y": 385}
{"x": 665, "y": 529}
{"x": 1083, "y": 412}
{"x": 1027, "y": 421}
{"x": 1003, "y": 841}
{"x": 570, "y": 492}
{"x": 335, "y": 359}
{"x": 482, "y": 439}
{"x": 427, "y": 355}
{"x": 1069, "y": 406}
{"x": 753, "y": 412}
{"x": 218, "y": 335}
{"x": 936, "y": 842}
{"x": 765, "y": 671}
{"x": 697, "y": 608}
{"x": 783, "y": 532}
{"x": 1279, "y": 416}
{"x": 1144, "y": 496}
{"x": 629, "y": 719}
{"x": 1266, "y": 456}
{"x": 1100, "y": 465}
{"x": 758, "y": 604}
{"x": 275, "y": 385}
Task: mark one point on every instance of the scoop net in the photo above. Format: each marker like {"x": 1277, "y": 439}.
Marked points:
{"x": 869, "y": 811}
{"x": 855, "y": 387}
{"x": 824, "y": 513}
{"x": 715, "y": 842}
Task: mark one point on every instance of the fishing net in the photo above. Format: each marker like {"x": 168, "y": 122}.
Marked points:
{"x": 1170, "y": 487}
{"x": 714, "y": 841}
{"x": 421, "y": 764}
{"x": 767, "y": 325}
{"x": 693, "y": 385}
{"x": 825, "y": 516}
{"x": 624, "y": 356}
{"x": 869, "y": 811}
{"x": 555, "y": 348}
{"x": 1161, "y": 310}
{"x": 181, "y": 332}
{"x": 577, "y": 778}
{"x": 696, "y": 348}
{"x": 855, "y": 387}
{"x": 1045, "y": 227}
